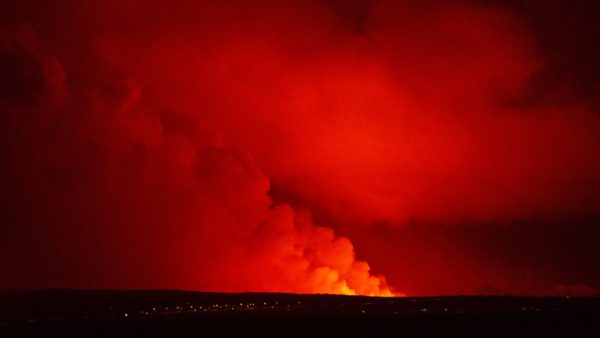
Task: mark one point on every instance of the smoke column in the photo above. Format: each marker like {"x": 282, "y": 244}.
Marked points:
{"x": 245, "y": 147}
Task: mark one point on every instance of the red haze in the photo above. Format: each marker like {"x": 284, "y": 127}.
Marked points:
{"x": 211, "y": 146}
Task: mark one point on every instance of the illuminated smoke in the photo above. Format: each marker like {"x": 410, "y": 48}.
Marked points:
{"x": 207, "y": 149}
{"x": 154, "y": 192}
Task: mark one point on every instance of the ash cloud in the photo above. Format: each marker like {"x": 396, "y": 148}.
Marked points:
{"x": 105, "y": 192}
{"x": 203, "y": 133}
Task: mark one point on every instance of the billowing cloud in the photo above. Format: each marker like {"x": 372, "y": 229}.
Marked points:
{"x": 105, "y": 192}
{"x": 206, "y": 145}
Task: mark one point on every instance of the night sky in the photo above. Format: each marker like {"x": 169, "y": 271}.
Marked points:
{"x": 317, "y": 146}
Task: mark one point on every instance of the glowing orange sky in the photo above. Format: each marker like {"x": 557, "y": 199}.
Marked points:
{"x": 299, "y": 146}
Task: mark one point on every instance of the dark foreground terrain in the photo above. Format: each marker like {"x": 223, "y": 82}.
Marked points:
{"x": 62, "y": 313}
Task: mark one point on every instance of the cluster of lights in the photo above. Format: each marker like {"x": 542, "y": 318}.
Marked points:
{"x": 241, "y": 306}
{"x": 265, "y": 305}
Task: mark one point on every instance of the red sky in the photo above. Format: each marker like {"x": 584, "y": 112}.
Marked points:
{"x": 362, "y": 147}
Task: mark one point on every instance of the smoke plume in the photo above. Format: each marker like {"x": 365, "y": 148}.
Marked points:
{"x": 221, "y": 146}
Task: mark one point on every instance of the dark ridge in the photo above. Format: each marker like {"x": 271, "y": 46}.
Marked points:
{"x": 164, "y": 313}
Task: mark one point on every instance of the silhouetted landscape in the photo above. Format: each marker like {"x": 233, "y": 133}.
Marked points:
{"x": 79, "y": 313}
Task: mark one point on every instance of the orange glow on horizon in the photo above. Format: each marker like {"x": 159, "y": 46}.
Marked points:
{"x": 364, "y": 147}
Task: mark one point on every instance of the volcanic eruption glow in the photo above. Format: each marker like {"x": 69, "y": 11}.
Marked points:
{"x": 240, "y": 146}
